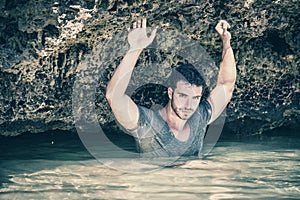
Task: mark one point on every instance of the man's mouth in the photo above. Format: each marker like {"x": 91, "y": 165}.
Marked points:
{"x": 187, "y": 111}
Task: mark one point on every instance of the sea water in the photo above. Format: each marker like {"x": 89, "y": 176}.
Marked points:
{"x": 57, "y": 166}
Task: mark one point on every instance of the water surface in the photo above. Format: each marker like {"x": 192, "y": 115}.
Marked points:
{"x": 57, "y": 166}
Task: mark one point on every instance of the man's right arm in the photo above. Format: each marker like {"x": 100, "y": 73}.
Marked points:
{"x": 125, "y": 110}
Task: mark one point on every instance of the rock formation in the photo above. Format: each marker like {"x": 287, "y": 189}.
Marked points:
{"x": 46, "y": 46}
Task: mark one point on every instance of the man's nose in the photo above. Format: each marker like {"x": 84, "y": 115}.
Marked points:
{"x": 188, "y": 103}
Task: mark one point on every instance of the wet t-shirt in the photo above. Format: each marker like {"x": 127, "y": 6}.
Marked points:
{"x": 155, "y": 139}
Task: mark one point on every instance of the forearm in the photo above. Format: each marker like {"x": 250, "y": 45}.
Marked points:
{"x": 227, "y": 72}
{"x": 118, "y": 84}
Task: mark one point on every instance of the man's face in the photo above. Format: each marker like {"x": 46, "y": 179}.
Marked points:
{"x": 185, "y": 99}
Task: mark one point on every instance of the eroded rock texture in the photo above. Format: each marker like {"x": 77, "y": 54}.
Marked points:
{"x": 46, "y": 46}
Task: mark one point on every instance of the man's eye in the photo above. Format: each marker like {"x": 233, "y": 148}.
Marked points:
{"x": 197, "y": 98}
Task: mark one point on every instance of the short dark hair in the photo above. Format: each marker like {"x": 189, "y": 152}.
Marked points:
{"x": 188, "y": 73}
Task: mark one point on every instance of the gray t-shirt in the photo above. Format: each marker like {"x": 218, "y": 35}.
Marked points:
{"x": 155, "y": 139}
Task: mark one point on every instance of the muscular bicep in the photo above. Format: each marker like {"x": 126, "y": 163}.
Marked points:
{"x": 125, "y": 111}
{"x": 218, "y": 99}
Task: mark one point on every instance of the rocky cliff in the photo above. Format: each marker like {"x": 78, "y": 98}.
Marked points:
{"x": 46, "y": 46}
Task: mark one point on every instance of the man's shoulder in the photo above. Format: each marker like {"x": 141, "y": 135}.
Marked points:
{"x": 149, "y": 124}
{"x": 148, "y": 114}
{"x": 144, "y": 110}
{"x": 204, "y": 105}
{"x": 204, "y": 110}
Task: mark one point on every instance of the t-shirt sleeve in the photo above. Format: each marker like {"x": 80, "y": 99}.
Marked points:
{"x": 144, "y": 124}
{"x": 206, "y": 110}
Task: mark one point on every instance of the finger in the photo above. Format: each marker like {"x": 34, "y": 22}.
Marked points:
{"x": 219, "y": 25}
{"x": 225, "y": 24}
{"x": 144, "y": 23}
{"x": 228, "y": 25}
{"x": 222, "y": 21}
{"x": 139, "y": 23}
{"x": 153, "y": 34}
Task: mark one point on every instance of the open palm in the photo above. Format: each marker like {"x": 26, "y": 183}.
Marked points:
{"x": 138, "y": 38}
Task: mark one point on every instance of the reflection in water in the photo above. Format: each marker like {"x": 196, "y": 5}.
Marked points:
{"x": 34, "y": 168}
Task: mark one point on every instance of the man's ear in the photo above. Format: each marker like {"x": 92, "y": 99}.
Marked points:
{"x": 170, "y": 92}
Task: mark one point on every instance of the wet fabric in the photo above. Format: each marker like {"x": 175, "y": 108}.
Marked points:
{"x": 155, "y": 139}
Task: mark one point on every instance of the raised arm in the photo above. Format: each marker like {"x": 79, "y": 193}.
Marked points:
{"x": 222, "y": 93}
{"x": 125, "y": 110}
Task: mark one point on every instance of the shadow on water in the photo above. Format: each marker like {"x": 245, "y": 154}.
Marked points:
{"x": 28, "y": 153}
{"x": 22, "y": 153}
{"x": 285, "y": 131}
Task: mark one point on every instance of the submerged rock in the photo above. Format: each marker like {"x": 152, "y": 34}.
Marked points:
{"x": 49, "y": 46}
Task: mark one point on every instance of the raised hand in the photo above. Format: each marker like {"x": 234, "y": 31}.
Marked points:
{"x": 221, "y": 28}
{"x": 138, "y": 38}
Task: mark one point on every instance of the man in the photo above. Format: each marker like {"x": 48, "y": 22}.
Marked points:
{"x": 178, "y": 128}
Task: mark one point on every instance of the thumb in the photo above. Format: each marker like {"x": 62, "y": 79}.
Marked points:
{"x": 153, "y": 34}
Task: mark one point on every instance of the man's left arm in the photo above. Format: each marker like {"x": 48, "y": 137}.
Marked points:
{"x": 222, "y": 93}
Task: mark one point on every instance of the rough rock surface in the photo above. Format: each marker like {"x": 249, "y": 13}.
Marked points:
{"x": 46, "y": 46}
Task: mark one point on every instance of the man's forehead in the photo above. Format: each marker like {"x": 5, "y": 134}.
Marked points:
{"x": 188, "y": 88}
{"x": 186, "y": 84}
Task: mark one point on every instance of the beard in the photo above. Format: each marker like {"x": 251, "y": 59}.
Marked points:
{"x": 177, "y": 111}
